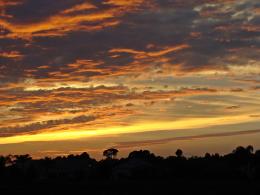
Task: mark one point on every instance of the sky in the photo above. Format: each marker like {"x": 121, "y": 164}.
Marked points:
{"x": 86, "y": 75}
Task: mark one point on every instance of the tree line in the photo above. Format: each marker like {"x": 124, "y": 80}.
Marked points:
{"x": 242, "y": 165}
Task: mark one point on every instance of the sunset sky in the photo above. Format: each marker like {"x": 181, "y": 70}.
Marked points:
{"x": 85, "y": 75}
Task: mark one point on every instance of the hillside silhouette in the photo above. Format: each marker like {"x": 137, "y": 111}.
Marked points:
{"x": 142, "y": 172}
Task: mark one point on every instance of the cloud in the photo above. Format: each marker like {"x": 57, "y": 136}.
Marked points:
{"x": 92, "y": 95}
{"x": 172, "y": 36}
{"x": 32, "y": 111}
{"x": 202, "y": 136}
{"x": 143, "y": 54}
{"x": 69, "y": 58}
{"x": 44, "y": 125}
{"x": 232, "y": 107}
{"x": 11, "y": 54}
{"x": 24, "y": 19}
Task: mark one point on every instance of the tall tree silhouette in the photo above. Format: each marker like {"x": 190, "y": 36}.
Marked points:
{"x": 179, "y": 153}
{"x": 110, "y": 153}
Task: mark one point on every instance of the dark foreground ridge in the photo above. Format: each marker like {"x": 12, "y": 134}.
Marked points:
{"x": 141, "y": 172}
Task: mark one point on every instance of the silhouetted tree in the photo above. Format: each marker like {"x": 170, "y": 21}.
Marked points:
{"x": 257, "y": 153}
{"x": 84, "y": 155}
{"x": 243, "y": 152}
{"x": 141, "y": 154}
{"x": 110, "y": 153}
{"x": 140, "y": 166}
{"x": 20, "y": 159}
{"x": 250, "y": 149}
{"x": 4, "y": 160}
{"x": 207, "y": 156}
{"x": 216, "y": 156}
{"x": 179, "y": 153}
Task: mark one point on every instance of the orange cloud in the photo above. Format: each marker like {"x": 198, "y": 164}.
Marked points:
{"x": 80, "y": 7}
{"x": 11, "y": 54}
{"x": 29, "y": 109}
{"x": 85, "y": 16}
{"x": 144, "y": 54}
{"x": 58, "y": 24}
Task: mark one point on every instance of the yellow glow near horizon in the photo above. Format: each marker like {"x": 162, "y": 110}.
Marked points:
{"x": 136, "y": 128}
